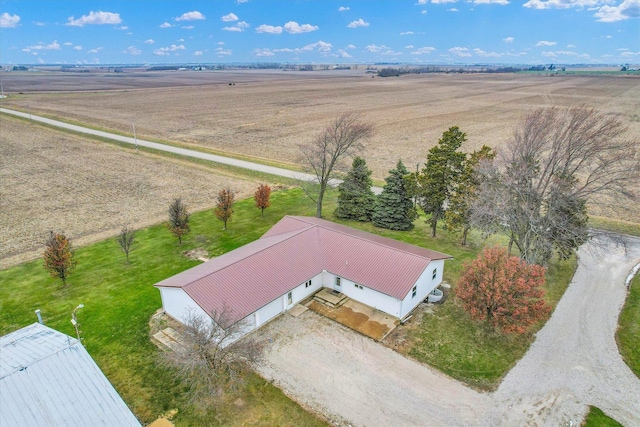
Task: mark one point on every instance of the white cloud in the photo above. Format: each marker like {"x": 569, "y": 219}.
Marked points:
{"x": 566, "y": 4}
{"x": 132, "y": 50}
{"x": 498, "y": 2}
{"x": 629, "y": 54}
{"x": 423, "y": 2}
{"x": 545, "y": 43}
{"x": 191, "y": 16}
{"x": 571, "y": 46}
{"x": 359, "y": 23}
{"x": 453, "y": 9}
{"x": 240, "y": 26}
{"x": 460, "y": 51}
{"x": 165, "y": 25}
{"x": 407, "y": 33}
{"x": 223, "y": 52}
{"x": 95, "y": 18}
{"x": 67, "y": 44}
{"x": 439, "y": 1}
{"x": 508, "y": 39}
{"x": 423, "y": 50}
{"x": 9, "y": 21}
{"x": 344, "y": 54}
{"x": 96, "y": 50}
{"x": 165, "y": 51}
{"x": 484, "y": 54}
{"x": 375, "y": 48}
{"x": 41, "y": 46}
{"x": 625, "y": 10}
{"x": 149, "y": 41}
{"x": 424, "y": 12}
{"x": 409, "y": 46}
{"x": 343, "y": 8}
{"x": 269, "y": 29}
{"x": 77, "y": 48}
{"x": 220, "y": 43}
{"x": 350, "y": 46}
{"x": 180, "y": 40}
{"x": 198, "y": 53}
{"x": 187, "y": 27}
{"x": 293, "y": 27}
{"x": 263, "y": 52}
{"x": 232, "y": 17}
{"x": 241, "y": 1}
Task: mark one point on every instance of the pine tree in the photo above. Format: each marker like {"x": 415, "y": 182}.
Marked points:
{"x": 440, "y": 174}
{"x": 394, "y": 209}
{"x": 355, "y": 199}
{"x": 458, "y": 215}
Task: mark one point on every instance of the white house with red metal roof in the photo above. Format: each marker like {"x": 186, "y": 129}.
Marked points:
{"x": 296, "y": 258}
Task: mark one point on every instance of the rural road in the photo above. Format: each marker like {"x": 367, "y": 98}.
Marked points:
{"x": 175, "y": 150}
{"x": 573, "y": 363}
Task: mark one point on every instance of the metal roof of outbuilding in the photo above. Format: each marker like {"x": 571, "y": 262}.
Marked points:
{"x": 48, "y": 378}
{"x": 293, "y": 251}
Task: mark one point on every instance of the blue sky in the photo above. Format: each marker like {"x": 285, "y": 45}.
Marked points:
{"x": 321, "y": 31}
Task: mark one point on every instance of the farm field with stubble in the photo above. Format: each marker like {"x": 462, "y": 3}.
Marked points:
{"x": 51, "y": 180}
{"x": 55, "y": 180}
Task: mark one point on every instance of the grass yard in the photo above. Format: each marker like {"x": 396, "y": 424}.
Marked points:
{"x": 119, "y": 300}
{"x": 628, "y": 334}
{"x": 597, "y": 418}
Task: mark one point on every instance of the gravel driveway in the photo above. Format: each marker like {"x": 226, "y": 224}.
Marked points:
{"x": 354, "y": 380}
{"x": 574, "y": 362}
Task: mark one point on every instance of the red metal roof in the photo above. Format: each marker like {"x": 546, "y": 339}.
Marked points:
{"x": 293, "y": 251}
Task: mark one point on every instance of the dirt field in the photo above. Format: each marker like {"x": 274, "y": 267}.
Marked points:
{"x": 268, "y": 113}
{"x": 54, "y": 181}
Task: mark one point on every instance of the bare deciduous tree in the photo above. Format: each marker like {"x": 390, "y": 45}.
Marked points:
{"x": 323, "y": 155}
{"x": 211, "y": 359}
{"x": 126, "y": 239}
{"x": 537, "y": 189}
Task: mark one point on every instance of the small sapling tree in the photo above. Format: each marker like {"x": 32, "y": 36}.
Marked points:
{"x": 262, "y": 197}
{"x": 224, "y": 205}
{"x": 58, "y": 256}
{"x": 503, "y": 291}
{"x": 178, "y": 219}
{"x": 126, "y": 239}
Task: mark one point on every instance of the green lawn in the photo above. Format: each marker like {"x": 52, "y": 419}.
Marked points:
{"x": 119, "y": 300}
{"x": 597, "y": 418}
{"x": 628, "y": 334}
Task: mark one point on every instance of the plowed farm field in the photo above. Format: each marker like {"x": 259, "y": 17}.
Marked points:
{"x": 266, "y": 114}
{"x": 50, "y": 180}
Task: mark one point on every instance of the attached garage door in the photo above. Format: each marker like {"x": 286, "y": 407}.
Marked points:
{"x": 269, "y": 311}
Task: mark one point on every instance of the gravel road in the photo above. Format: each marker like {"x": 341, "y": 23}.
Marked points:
{"x": 574, "y": 362}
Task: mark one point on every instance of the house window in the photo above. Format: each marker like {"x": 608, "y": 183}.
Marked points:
{"x": 414, "y": 291}
{"x": 308, "y": 284}
{"x": 289, "y": 298}
{"x": 337, "y": 281}
{"x": 435, "y": 273}
{"x": 357, "y": 286}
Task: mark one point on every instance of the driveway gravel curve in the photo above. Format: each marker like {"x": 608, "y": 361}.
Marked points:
{"x": 573, "y": 363}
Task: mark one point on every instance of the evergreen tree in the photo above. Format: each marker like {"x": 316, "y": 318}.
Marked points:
{"x": 440, "y": 174}
{"x": 458, "y": 215}
{"x": 355, "y": 198}
{"x": 394, "y": 209}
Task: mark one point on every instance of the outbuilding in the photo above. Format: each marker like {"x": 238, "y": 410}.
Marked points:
{"x": 296, "y": 258}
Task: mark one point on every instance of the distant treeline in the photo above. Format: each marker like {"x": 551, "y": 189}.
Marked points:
{"x": 395, "y": 72}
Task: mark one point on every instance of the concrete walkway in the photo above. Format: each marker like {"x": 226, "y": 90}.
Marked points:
{"x": 272, "y": 170}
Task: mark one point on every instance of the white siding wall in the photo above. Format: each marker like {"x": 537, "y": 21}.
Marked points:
{"x": 375, "y": 299}
{"x": 178, "y": 304}
{"x": 425, "y": 284}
